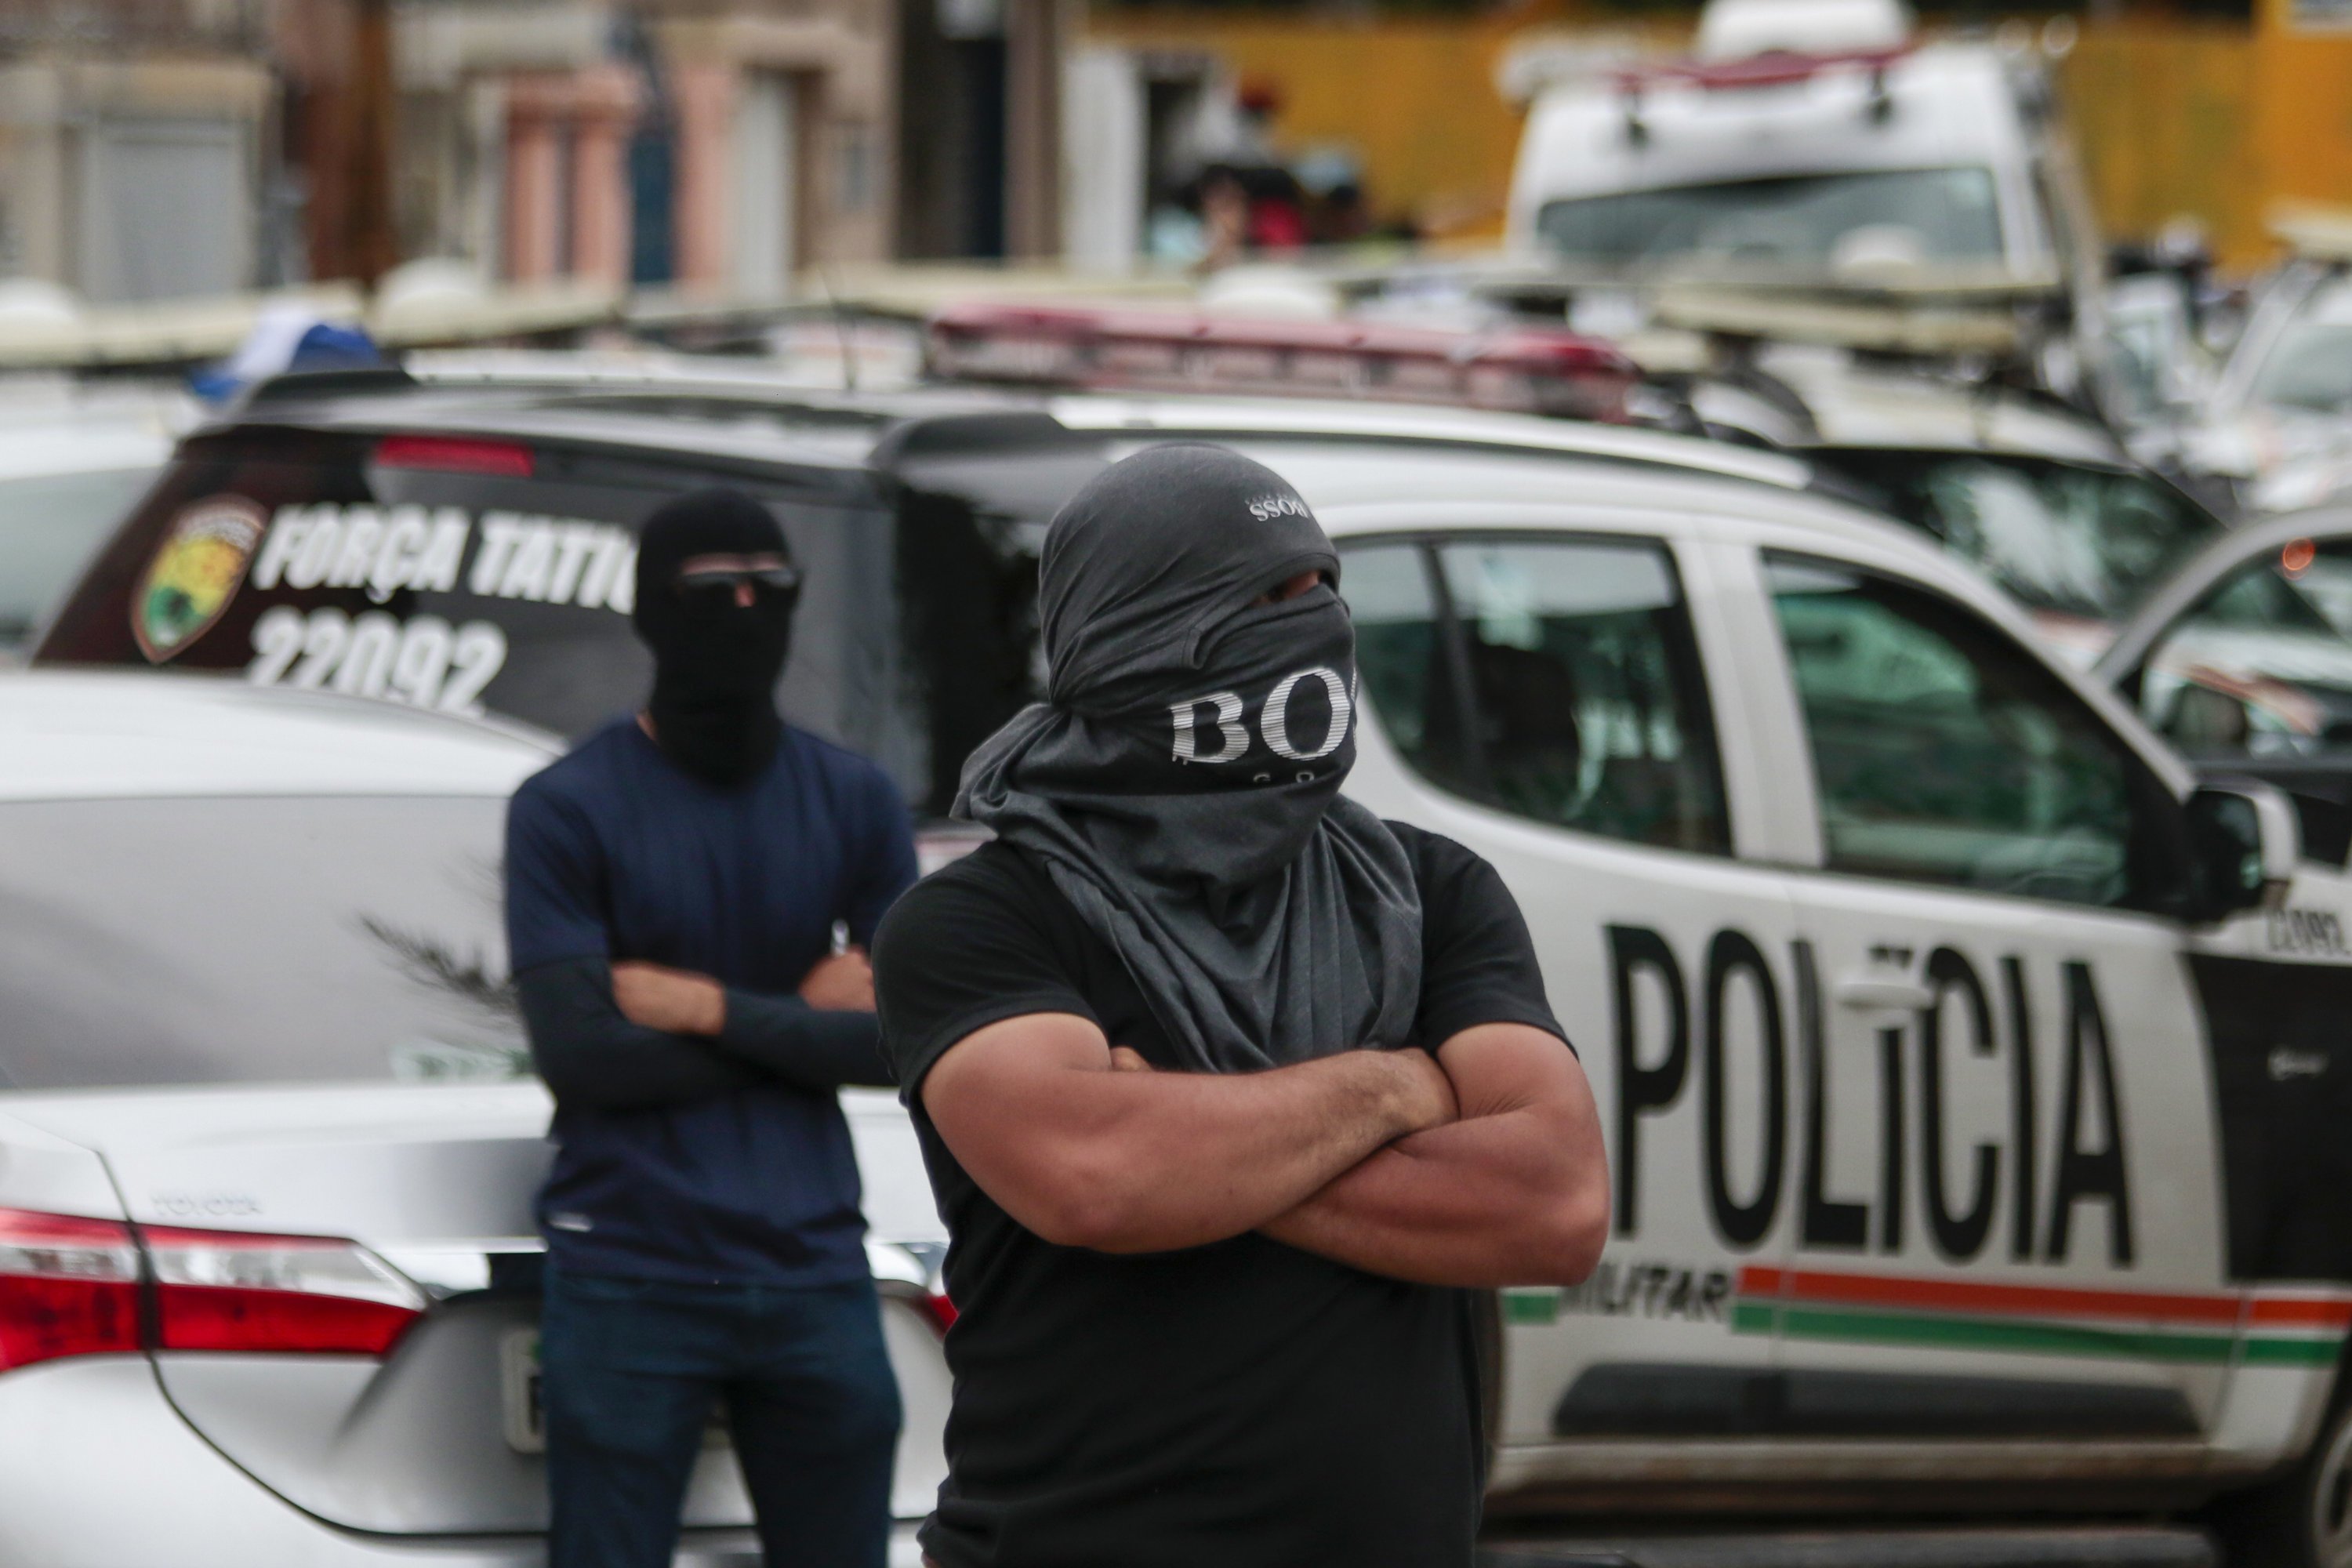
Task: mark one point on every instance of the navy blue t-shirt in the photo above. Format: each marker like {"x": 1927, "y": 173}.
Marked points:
{"x": 617, "y": 852}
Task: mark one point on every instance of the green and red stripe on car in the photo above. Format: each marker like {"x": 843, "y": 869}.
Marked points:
{"x": 2260, "y": 1325}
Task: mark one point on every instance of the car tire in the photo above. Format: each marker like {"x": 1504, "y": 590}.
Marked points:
{"x": 2302, "y": 1519}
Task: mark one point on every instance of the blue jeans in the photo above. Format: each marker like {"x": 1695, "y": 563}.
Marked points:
{"x": 630, "y": 1370}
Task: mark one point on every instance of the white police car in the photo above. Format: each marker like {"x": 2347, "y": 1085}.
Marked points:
{"x": 1973, "y": 1133}
{"x": 1961, "y": 1107}
{"x": 269, "y": 1143}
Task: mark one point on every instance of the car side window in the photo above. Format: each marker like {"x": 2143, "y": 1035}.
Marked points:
{"x": 1402, "y": 659}
{"x": 1943, "y": 751}
{"x": 1553, "y": 678}
{"x": 2262, "y": 666}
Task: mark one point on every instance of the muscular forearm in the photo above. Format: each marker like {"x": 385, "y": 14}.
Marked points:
{"x": 1134, "y": 1162}
{"x": 1479, "y": 1202}
{"x": 809, "y": 1047}
{"x": 1514, "y": 1193}
{"x": 1168, "y": 1161}
{"x": 591, "y": 1056}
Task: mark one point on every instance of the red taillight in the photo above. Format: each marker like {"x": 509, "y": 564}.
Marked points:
{"x": 225, "y": 1290}
{"x": 455, "y": 455}
{"x": 68, "y": 1287}
{"x": 940, "y": 1310}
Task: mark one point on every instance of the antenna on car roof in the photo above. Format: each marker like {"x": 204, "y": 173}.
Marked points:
{"x": 1881, "y": 106}
{"x": 841, "y": 332}
{"x": 1628, "y": 98}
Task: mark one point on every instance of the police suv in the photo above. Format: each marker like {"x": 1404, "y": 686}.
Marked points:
{"x": 1952, "y": 1068}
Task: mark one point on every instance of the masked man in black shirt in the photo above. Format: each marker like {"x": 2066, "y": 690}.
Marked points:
{"x": 1230, "y": 1090}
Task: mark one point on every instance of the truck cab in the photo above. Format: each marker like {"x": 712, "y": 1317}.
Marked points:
{"x": 1820, "y": 144}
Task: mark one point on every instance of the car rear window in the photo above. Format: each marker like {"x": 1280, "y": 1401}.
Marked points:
{"x": 49, "y": 525}
{"x": 468, "y": 576}
{"x": 244, "y": 941}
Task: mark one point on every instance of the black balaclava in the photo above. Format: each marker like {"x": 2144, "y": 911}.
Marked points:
{"x": 715, "y": 663}
{"x": 1181, "y": 783}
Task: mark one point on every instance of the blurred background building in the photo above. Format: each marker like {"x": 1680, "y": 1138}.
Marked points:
{"x": 154, "y": 149}
{"x": 137, "y": 143}
{"x": 151, "y": 149}
{"x": 2211, "y": 110}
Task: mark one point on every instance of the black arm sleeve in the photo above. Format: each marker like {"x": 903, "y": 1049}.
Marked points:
{"x": 1479, "y": 963}
{"x": 809, "y": 1047}
{"x": 591, "y": 1055}
{"x": 961, "y": 951}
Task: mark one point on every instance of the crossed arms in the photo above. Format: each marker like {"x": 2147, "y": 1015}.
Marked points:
{"x": 1479, "y": 1166}
{"x": 632, "y": 1036}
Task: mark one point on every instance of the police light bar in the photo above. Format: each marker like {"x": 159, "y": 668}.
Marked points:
{"x": 1777, "y": 67}
{"x": 1517, "y": 370}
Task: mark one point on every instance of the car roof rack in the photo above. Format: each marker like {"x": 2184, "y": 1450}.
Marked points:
{"x": 1934, "y": 327}
{"x": 2315, "y": 233}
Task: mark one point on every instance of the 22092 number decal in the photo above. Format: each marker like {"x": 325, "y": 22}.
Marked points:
{"x": 422, "y": 661}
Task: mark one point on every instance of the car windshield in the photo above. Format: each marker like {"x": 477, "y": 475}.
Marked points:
{"x": 2068, "y": 538}
{"x": 49, "y": 525}
{"x": 1934, "y": 215}
{"x": 365, "y": 945}
{"x": 2262, "y": 666}
{"x": 2310, "y": 370}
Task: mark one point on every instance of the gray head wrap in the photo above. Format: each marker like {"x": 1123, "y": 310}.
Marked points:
{"x": 1181, "y": 783}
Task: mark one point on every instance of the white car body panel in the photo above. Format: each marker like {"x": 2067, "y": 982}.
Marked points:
{"x": 110, "y": 736}
{"x": 1858, "y": 404}
{"x": 79, "y": 1436}
{"x": 438, "y": 1180}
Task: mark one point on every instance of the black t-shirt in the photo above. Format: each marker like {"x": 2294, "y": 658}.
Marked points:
{"x": 1243, "y": 1402}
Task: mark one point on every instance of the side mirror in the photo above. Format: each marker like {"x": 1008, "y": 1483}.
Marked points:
{"x": 2244, "y": 844}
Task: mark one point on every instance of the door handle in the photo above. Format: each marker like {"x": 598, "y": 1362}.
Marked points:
{"x": 1883, "y": 993}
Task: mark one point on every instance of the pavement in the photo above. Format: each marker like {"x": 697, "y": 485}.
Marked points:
{"x": 2067, "y": 1546}
{"x": 2070, "y": 1546}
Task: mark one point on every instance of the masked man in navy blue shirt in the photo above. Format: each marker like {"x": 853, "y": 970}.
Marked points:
{"x": 674, "y": 886}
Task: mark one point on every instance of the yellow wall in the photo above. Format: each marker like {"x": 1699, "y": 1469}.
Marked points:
{"x": 2159, "y": 112}
{"x": 2172, "y": 115}
{"x": 2303, "y": 118}
{"x": 1414, "y": 99}
{"x": 2215, "y": 120}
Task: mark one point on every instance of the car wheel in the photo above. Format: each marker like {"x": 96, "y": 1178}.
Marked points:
{"x": 2303, "y": 1518}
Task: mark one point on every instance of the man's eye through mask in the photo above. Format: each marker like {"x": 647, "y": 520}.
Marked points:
{"x": 1283, "y": 712}
{"x": 716, "y": 584}
{"x": 1282, "y": 592}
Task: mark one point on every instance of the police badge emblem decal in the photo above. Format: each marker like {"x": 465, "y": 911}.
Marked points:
{"x": 194, "y": 574}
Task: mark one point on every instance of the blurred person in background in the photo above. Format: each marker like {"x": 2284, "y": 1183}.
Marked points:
{"x": 1336, "y": 213}
{"x": 1228, "y": 1089}
{"x": 674, "y": 889}
{"x": 1225, "y": 208}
